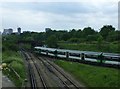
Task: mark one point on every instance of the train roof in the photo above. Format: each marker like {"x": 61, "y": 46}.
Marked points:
{"x": 76, "y": 51}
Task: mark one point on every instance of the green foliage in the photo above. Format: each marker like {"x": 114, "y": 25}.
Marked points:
{"x": 9, "y": 42}
{"x": 7, "y": 58}
{"x": 74, "y": 40}
{"x": 88, "y": 31}
{"x": 19, "y": 68}
{"x": 87, "y": 40}
{"x": 51, "y": 37}
{"x": 105, "y": 47}
{"x": 91, "y": 38}
{"x": 91, "y": 76}
{"x": 14, "y": 60}
{"x": 6, "y": 45}
{"x": 113, "y": 36}
{"x": 104, "y": 31}
{"x": 78, "y": 46}
{"x": 51, "y": 41}
{"x": 26, "y": 46}
{"x": 100, "y": 42}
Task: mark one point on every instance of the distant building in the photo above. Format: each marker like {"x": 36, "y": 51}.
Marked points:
{"x": 8, "y": 31}
{"x": 19, "y": 30}
{"x": 47, "y": 29}
{"x": 26, "y": 32}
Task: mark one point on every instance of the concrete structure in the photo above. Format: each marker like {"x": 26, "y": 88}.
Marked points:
{"x": 8, "y": 31}
{"x": 19, "y": 30}
{"x": 47, "y": 29}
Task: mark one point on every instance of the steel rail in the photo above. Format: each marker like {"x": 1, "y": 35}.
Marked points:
{"x": 56, "y": 75}
{"x": 32, "y": 76}
{"x": 60, "y": 73}
{"x": 38, "y": 70}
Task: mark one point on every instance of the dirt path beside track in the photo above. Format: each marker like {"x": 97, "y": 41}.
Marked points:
{"x": 6, "y": 82}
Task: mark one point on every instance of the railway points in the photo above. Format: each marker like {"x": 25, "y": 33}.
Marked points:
{"x": 45, "y": 74}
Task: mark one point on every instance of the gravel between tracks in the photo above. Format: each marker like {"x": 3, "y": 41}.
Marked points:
{"x": 52, "y": 75}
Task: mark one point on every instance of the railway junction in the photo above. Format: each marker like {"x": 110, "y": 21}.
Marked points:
{"x": 43, "y": 73}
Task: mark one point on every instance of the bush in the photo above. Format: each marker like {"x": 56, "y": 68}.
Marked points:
{"x": 74, "y": 40}
{"x": 92, "y": 76}
{"x": 52, "y": 42}
{"x": 14, "y": 60}
{"x": 9, "y": 46}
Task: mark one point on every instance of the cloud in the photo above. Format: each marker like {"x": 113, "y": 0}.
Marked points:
{"x": 93, "y": 1}
{"x": 23, "y": 18}
{"x": 35, "y": 16}
{"x": 62, "y": 8}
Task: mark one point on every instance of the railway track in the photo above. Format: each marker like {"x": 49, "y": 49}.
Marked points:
{"x": 31, "y": 75}
{"x": 32, "y": 79}
{"x": 38, "y": 70}
{"x": 64, "y": 79}
{"x": 43, "y": 73}
{"x": 36, "y": 78}
{"x": 48, "y": 82}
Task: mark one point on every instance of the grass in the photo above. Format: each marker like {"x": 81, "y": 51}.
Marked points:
{"x": 111, "y": 47}
{"x": 91, "y": 76}
{"x": 14, "y": 60}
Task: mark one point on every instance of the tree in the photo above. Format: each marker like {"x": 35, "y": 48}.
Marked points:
{"x": 52, "y": 41}
{"x": 74, "y": 40}
{"x": 9, "y": 42}
{"x": 104, "y": 31}
{"x": 91, "y": 38}
{"x": 99, "y": 42}
{"x": 88, "y": 31}
{"x": 65, "y": 36}
{"x": 72, "y": 33}
{"x": 78, "y": 33}
{"x": 113, "y": 36}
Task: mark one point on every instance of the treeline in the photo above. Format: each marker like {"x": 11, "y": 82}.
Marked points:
{"x": 51, "y": 37}
{"x": 106, "y": 33}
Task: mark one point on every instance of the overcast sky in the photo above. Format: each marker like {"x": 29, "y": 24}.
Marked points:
{"x": 36, "y": 16}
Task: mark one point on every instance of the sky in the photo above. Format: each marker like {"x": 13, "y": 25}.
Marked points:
{"x": 35, "y": 15}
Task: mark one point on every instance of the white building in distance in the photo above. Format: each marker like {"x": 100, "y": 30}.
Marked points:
{"x": 8, "y": 31}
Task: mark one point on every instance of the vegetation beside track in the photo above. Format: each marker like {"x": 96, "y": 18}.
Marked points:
{"x": 15, "y": 69}
{"x": 83, "y": 38}
{"x": 105, "y": 47}
{"x": 91, "y": 76}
